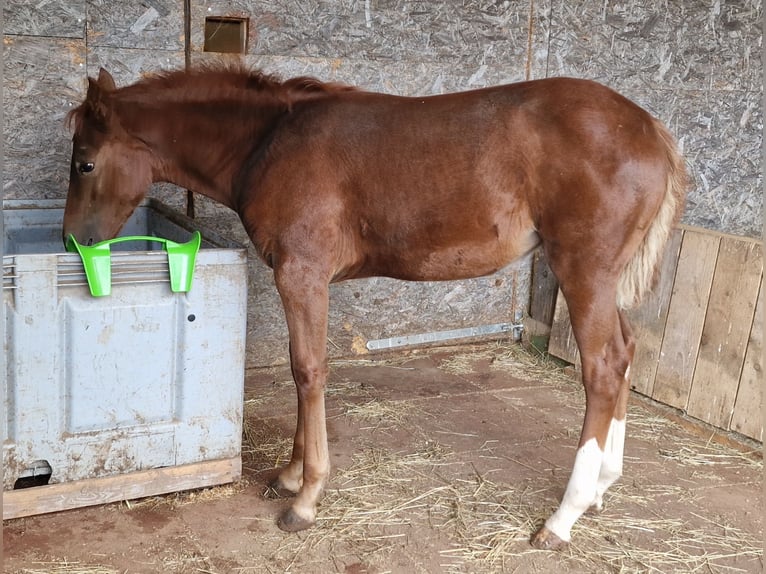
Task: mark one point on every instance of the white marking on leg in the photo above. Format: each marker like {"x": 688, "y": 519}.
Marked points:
{"x": 581, "y": 490}
{"x": 627, "y": 372}
{"x": 611, "y": 466}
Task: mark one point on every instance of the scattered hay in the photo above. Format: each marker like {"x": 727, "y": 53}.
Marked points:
{"x": 465, "y": 363}
{"x": 383, "y": 499}
{"x": 694, "y": 454}
{"x": 397, "y": 413}
{"x": 176, "y": 500}
{"x": 534, "y": 366}
{"x": 264, "y": 446}
{"x": 65, "y": 567}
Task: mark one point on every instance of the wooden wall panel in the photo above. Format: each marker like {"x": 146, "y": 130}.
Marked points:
{"x": 48, "y": 18}
{"x": 42, "y": 79}
{"x": 747, "y": 418}
{"x": 649, "y": 319}
{"x": 727, "y": 328}
{"x": 562, "y": 343}
{"x": 135, "y": 24}
{"x": 699, "y": 336}
{"x": 698, "y": 76}
{"x": 686, "y": 317}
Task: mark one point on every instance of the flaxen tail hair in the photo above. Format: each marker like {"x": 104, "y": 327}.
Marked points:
{"x": 640, "y": 273}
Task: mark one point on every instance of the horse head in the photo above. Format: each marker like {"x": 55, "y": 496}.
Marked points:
{"x": 109, "y": 174}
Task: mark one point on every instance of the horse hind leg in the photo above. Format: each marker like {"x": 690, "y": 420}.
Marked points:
{"x": 611, "y": 466}
{"x": 606, "y": 351}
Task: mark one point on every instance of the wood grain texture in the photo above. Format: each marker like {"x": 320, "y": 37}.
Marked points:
{"x": 91, "y": 492}
{"x": 543, "y": 290}
{"x": 726, "y": 331}
{"x": 648, "y": 320}
{"x": 686, "y": 317}
{"x": 747, "y": 417}
{"x": 562, "y": 343}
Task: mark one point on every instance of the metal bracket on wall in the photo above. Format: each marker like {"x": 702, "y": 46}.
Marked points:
{"x": 437, "y": 336}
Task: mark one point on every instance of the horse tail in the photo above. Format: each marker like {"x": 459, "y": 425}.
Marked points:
{"x": 640, "y": 273}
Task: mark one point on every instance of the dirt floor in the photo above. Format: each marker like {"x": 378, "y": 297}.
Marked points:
{"x": 443, "y": 461}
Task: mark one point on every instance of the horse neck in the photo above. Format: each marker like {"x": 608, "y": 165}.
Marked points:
{"x": 203, "y": 147}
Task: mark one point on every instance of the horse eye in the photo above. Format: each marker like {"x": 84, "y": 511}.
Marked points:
{"x": 86, "y": 167}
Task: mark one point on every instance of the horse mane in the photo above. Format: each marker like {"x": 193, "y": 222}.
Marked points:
{"x": 232, "y": 82}
{"x": 217, "y": 79}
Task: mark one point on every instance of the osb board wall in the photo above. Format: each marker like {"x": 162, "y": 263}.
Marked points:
{"x": 700, "y": 334}
{"x": 691, "y": 64}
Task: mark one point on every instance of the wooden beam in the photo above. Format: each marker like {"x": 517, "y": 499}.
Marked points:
{"x": 103, "y": 490}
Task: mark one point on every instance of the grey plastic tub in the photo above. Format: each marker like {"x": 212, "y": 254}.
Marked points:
{"x": 123, "y": 385}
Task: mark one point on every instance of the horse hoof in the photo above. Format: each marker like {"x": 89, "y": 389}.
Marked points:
{"x": 277, "y": 490}
{"x": 290, "y": 521}
{"x": 544, "y": 539}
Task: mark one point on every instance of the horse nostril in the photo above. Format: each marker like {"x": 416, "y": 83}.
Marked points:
{"x": 90, "y": 242}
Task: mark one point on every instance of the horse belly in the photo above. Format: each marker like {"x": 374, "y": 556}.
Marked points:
{"x": 446, "y": 261}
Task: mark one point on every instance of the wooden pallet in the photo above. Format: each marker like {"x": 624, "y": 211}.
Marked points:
{"x": 700, "y": 333}
{"x": 139, "y": 484}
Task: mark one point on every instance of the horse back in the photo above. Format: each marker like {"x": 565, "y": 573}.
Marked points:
{"x": 448, "y": 186}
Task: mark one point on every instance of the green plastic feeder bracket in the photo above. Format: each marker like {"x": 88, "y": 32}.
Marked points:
{"x": 96, "y": 259}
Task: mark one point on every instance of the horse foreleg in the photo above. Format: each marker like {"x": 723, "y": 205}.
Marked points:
{"x": 305, "y": 301}
{"x": 606, "y": 354}
{"x": 290, "y": 478}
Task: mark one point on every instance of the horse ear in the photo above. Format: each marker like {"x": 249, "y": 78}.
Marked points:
{"x": 96, "y": 98}
{"x": 105, "y": 80}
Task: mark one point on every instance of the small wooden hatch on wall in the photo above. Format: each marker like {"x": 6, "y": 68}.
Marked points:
{"x": 226, "y": 34}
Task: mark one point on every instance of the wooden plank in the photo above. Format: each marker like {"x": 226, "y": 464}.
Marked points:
{"x": 648, "y": 320}
{"x": 726, "y": 331}
{"x": 686, "y": 316}
{"x": 747, "y": 418}
{"x": 562, "y": 343}
{"x": 94, "y": 491}
{"x": 543, "y": 291}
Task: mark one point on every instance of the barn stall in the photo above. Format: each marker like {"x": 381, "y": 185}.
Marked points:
{"x": 429, "y": 475}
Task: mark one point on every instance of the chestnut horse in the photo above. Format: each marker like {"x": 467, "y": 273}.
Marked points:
{"x": 335, "y": 183}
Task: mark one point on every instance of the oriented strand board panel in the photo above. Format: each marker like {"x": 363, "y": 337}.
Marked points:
{"x": 693, "y": 65}
{"x": 128, "y": 65}
{"x": 479, "y": 36}
{"x": 52, "y": 18}
{"x": 747, "y": 417}
{"x": 43, "y": 78}
{"x": 136, "y": 24}
{"x": 726, "y": 332}
{"x": 648, "y": 320}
